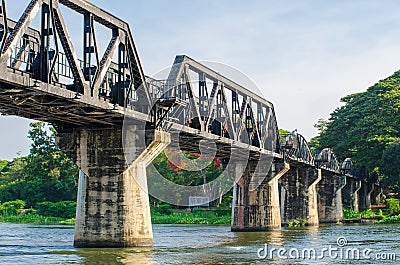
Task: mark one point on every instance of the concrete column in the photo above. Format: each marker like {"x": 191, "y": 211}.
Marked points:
{"x": 364, "y": 195}
{"x": 257, "y": 210}
{"x": 376, "y": 195}
{"x": 350, "y": 193}
{"x": 299, "y": 197}
{"x": 113, "y": 206}
{"x": 329, "y": 191}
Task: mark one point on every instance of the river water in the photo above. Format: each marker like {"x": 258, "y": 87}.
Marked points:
{"x": 195, "y": 244}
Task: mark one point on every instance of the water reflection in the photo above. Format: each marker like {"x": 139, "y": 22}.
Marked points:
{"x": 191, "y": 244}
{"x": 131, "y": 256}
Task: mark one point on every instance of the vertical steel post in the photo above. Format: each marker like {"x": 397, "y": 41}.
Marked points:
{"x": 4, "y": 32}
{"x": 122, "y": 65}
{"x": 46, "y": 32}
{"x": 87, "y": 45}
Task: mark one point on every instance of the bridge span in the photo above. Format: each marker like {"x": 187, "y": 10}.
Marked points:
{"x": 113, "y": 120}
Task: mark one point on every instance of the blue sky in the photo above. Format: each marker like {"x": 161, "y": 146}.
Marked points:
{"x": 303, "y": 55}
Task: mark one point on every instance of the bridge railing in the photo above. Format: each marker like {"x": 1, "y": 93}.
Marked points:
{"x": 25, "y": 58}
{"x": 219, "y": 118}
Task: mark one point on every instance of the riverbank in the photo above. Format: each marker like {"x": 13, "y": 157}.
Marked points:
{"x": 174, "y": 218}
{"x": 36, "y": 219}
{"x": 207, "y": 218}
{"x": 12, "y": 212}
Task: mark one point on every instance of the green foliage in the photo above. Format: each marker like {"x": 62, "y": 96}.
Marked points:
{"x": 177, "y": 170}
{"x": 350, "y": 214}
{"x": 46, "y": 174}
{"x": 390, "y": 220}
{"x": 283, "y": 134}
{"x": 3, "y": 163}
{"x": 315, "y": 142}
{"x": 64, "y": 209}
{"x": 11, "y": 191}
{"x": 394, "y": 206}
{"x": 366, "y": 124}
{"x": 368, "y": 214}
{"x": 164, "y": 209}
{"x": 391, "y": 166}
{"x": 197, "y": 217}
{"x": 11, "y": 207}
{"x": 34, "y": 219}
{"x": 13, "y": 171}
{"x": 297, "y": 223}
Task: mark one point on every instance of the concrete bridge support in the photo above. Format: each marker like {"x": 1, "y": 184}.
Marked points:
{"x": 257, "y": 210}
{"x": 364, "y": 195}
{"x": 329, "y": 191}
{"x": 350, "y": 193}
{"x": 376, "y": 195}
{"x": 299, "y": 195}
{"x": 113, "y": 207}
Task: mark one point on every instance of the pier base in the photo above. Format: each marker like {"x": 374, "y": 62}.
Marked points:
{"x": 113, "y": 207}
{"x": 257, "y": 210}
{"x": 299, "y": 195}
{"x": 329, "y": 190}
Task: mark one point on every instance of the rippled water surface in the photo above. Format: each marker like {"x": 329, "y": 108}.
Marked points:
{"x": 34, "y": 244}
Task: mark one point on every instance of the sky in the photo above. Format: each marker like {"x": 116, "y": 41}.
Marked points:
{"x": 302, "y": 55}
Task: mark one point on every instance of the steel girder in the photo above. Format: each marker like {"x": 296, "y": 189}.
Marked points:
{"x": 327, "y": 160}
{"x": 218, "y": 105}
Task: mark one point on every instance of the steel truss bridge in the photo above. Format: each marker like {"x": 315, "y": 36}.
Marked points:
{"x": 43, "y": 78}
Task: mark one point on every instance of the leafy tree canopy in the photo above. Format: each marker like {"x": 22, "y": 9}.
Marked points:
{"x": 365, "y": 125}
{"x": 391, "y": 166}
{"x": 46, "y": 174}
{"x": 3, "y": 163}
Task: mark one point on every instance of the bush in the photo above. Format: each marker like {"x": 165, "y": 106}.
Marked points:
{"x": 164, "y": 209}
{"x": 350, "y": 214}
{"x": 297, "y": 223}
{"x": 390, "y": 220}
{"x": 12, "y": 207}
{"x": 368, "y": 214}
{"x": 64, "y": 209}
{"x": 11, "y": 191}
{"x": 223, "y": 211}
{"x": 394, "y": 206}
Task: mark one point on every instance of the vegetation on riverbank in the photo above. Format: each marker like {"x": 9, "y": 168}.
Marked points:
{"x": 297, "y": 223}
{"x": 164, "y": 214}
{"x": 64, "y": 213}
{"x": 35, "y": 219}
{"x": 46, "y": 213}
{"x": 390, "y": 215}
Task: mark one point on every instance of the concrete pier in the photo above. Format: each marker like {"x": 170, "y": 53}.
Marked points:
{"x": 364, "y": 195}
{"x": 350, "y": 193}
{"x": 299, "y": 194}
{"x": 329, "y": 191}
{"x": 376, "y": 195}
{"x": 113, "y": 207}
{"x": 259, "y": 209}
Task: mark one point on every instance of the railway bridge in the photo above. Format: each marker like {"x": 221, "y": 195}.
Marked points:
{"x": 113, "y": 120}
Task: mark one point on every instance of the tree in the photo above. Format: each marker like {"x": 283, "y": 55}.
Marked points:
{"x": 3, "y": 163}
{"x": 391, "y": 166}
{"x": 13, "y": 171}
{"x": 366, "y": 124}
{"x": 315, "y": 142}
{"x": 50, "y": 174}
{"x": 46, "y": 174}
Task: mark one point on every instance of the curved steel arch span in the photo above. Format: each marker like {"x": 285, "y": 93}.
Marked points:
{"x": 347, "y": 167}
{"x": 327, "y": 160}
{"x": 296, "y": 148}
